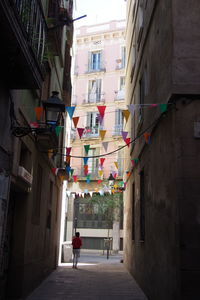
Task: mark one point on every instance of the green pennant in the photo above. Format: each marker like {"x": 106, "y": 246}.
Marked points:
{"x": 71, "y": 172}
{"x": 87, "y": 148}
{"x": 136, "y": 160}
{"x": 58, "y": 130}
{"x": 163, "y": 107}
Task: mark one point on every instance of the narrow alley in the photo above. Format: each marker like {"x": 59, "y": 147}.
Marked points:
{"x": 95, "y": 278}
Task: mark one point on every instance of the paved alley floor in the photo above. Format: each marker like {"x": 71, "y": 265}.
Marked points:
{"x": 95, "y": 279}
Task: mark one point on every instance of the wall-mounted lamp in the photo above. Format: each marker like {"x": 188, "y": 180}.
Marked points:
{"x": 53, "y": 108}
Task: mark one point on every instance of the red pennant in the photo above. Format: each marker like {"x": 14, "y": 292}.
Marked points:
{"x": 115, "y": 175}
{"x": 54, "y": 170}
{"x": 80, "y": 131}
{"x": 127, "y": 141}
{"x": 75, "y": 177}
{"x": 102, "y": 161}
{"x": 101, "y": 110}
{"x": 99, "y": 181}
{"x": 38, "y": 112}
{"x": 68, "y": 150}
{"x": 85, "y": 172}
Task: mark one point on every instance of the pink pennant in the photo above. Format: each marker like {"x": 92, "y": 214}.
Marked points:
{"x": 124, "y": 134}
{"x": 153, "y": 105}
{"x": 100, "y": 118}
{"x": 102, "y": 161}
{"x": 101, "y": 110}
{"x": 80, "y": 131}
{"x": 68, "y": 150}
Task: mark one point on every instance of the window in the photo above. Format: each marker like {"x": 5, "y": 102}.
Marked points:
{"x": 140, "y": 22}
{"x": 133, "y": 211}
{"x": 123, "y": 57}
{"x": 94, "y": 91}
{"x": 95, "y": 61}
{"x": 93, "y": 163}
{"x": 142, "y": 206}
{"x": 121, "y": 93}
{"x": 93, "y": 124}
{"x": 119, "y": 120}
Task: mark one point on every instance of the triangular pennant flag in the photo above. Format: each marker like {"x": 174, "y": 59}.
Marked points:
{"x": 58, "y": 130}
{"x": 87, "y": 180}
{"x": 147, "y": 137}
{"x": 163, "y": 107}
{"x": 67, "y": 169}
{"x": 68, "y": 150}
{"x": 38, "y": 112}
{"x": 131, "y": 108}
{"x": 105, "y": 146}
{"x": 115, "y": 175}
{"x": 126, "y": 114}
{"x": 125, "y": 184}
{"x": 55, "y": 171}
{"x": 85, "y": 159}
{"x": 91, "y": 193}
{"x": 99, "y": 181}
{"x": 87, "y": 148}
{"x": 34, "y": 124}
{"x": 85, "y": 172}
{"x": 153, "y": 105}
{"x": 71, "y": 172}
{"x": 100, "y": 118}
{"x": 101, "y": 110}
{"x": 102, "y": 161}
{"x": 100, "y": 173}
{"x": 68, "y": 160}
{"x": 124, "y": 134}
{"x": 75, "y": 178}
{"x": 127, "y": 141}
{"x": 50, "y": 153}
{"x": 70, "y": 110}
{"x": 102, "y": 133}
{"x": 80, "y": 131}
{"x": 116, "y": 164}
{"x": 88, "y": 176}
{"x": 85, "y": 167}
{"x": 75, "y": 121}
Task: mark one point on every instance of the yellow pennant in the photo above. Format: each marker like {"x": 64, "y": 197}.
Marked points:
{"x": 100, "y": 173}
{"x": 116, "y": 164}
{"x": 126, "y": 114}
{"x": 50, "y": 153}
{"x": 102, "y": 133}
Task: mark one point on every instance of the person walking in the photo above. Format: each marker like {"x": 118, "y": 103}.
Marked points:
{"x": 76, "y": 243}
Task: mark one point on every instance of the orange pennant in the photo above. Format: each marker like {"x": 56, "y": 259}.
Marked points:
{"x": 68, "y": 160}
{"x": 126, "y": 114}
{"x": 102, "y": 133}
{"x": 38, "y": 112}
{"x": 147, "y": 137}
{"x": 75, "y": 121}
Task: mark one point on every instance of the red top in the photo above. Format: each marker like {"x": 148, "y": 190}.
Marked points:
{"x": 76, "y": 242}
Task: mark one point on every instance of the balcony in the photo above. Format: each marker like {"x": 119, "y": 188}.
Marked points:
{"x": 93, "y": 98}
{"x": 96, "y": 69}
{"x": 23, "y": 36}
{"x": 119, "y": 95}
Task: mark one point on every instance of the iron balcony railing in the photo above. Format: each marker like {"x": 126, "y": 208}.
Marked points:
{"x": 93, "y": 98}
{"x": 31, "y": 17}
{"x": 117, "y": 130}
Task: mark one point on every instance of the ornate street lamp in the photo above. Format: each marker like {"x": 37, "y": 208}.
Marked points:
{"x": 111, "y": 180}
{"x": 53, "y": 108}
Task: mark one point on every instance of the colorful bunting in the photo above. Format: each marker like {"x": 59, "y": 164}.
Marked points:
{"x": 50, "y": 153}
{"x": 126, "y": 114}
{"x": 163, "y": 107}
{"x": 85, "y": 159}
{"x": 102, "y": 161}
{"x": 101, "y": 110}
{"x": 67, "y": 169}
{"x": 68, "y": 160}
{"x": 115, "y": 175}
{"x": 70, "y": 110}
{"x": 127, "y": 141}
{"x": 58, "y": 130}
{"x": 68, "y": 150}
{"x": 38, "y": 112}
{"x": 99, "y": 181}
{"x": 75, "y": 121}
{"x": 147, "y": 137}
{"x": 102, "y": 133}
{"x": 100, "y": 118}
{"x": 75, "y": 178}
{"x": 71, "y": 172}
{"x": 116, "y": 164}
{"x": 55, "y": 171}
{"x": 105, "y": 146}
{"x": 124, "y": 134}
{"x": 87, "y": 148}
{"x": 153, "y": 105}
{"x": 80, "y": 131}
{"x": 100, "y": 173}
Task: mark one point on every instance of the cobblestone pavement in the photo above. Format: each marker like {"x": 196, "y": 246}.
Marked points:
{"x": 104, "y": 280}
